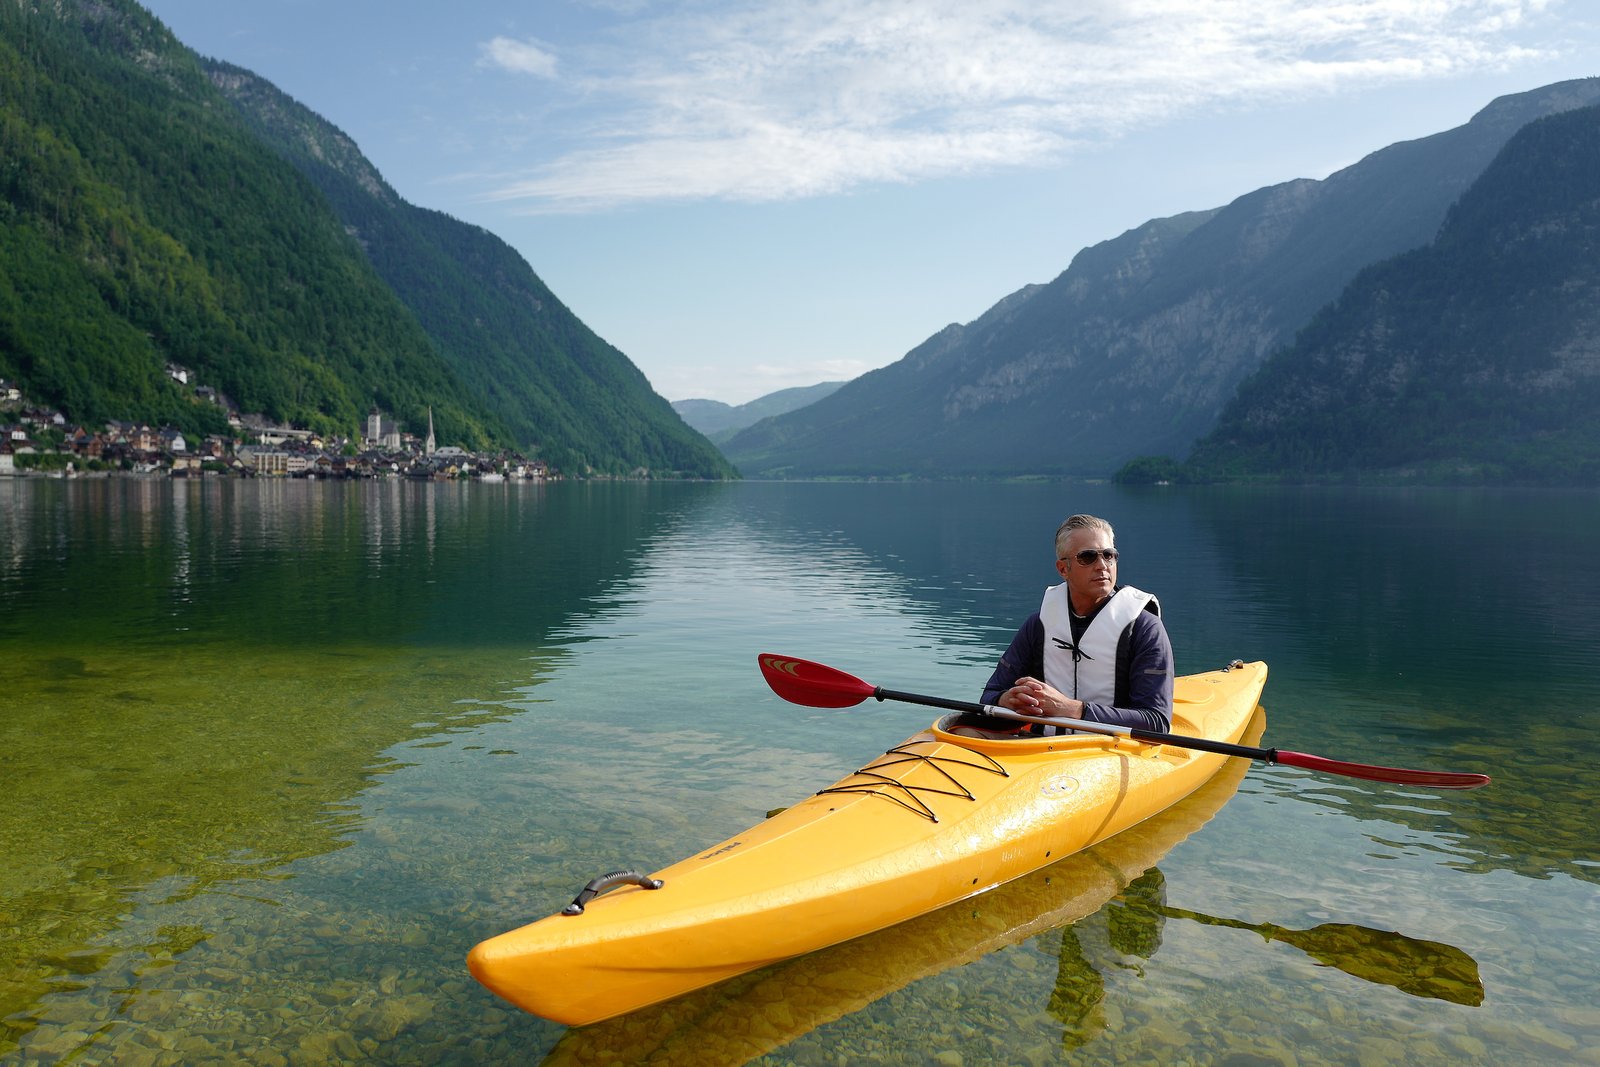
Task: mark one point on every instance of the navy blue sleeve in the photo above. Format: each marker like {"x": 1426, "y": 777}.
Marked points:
{"x": 1024, "y": 659}
{"x": 1150, "y": 671}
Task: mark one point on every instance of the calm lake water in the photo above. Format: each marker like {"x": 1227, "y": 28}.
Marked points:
{"x": 275, "y": 755}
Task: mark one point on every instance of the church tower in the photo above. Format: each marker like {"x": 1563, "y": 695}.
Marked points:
{"x": 430, "y": 447}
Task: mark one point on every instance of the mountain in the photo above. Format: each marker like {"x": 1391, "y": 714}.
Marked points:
{"x": 140, "y": 224}
{"x": 1139, "y": 344}
{"x": 1474, "y": 358}
{"x": 719, "y": 421}
{"x": 521, "y": 352}
{"x": 147, "y": 220}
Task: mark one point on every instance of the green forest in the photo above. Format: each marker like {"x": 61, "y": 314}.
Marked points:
{"x": 145, "y": 222}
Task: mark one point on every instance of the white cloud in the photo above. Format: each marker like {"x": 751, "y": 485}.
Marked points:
{"x": 749, "y": 100}
{"x": 519, "y": 57}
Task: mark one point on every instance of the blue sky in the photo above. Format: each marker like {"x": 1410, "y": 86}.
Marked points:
{"x": 749, "y": 196}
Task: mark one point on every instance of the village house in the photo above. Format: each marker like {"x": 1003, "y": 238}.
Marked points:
{"x": 18, "y": 440}
{"x": 81, "y": 442}
{"x": 44, "y": 419}
{"x": 187, "y": 465}
{"x": 137, "y": 436}
{"x": 279, "y": 435}
{"x": 264, "y": 462}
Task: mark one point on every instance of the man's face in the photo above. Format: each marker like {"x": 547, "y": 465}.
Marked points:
{"x": 1088, "y": 583}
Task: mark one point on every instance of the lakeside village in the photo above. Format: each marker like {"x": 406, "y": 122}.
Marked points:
{"x": 39, "y": 441}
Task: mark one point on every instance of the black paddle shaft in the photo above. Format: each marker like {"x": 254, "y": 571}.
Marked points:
{"x": 1152, "y": 736}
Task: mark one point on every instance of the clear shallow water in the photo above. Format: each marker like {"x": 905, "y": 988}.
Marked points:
{"x": 277, "y": 754}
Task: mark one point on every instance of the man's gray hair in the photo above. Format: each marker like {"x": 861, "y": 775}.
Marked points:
{"x": 1081, "y": 522}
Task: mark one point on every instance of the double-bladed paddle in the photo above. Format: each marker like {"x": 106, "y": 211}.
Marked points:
{"x": 816, "y": 685}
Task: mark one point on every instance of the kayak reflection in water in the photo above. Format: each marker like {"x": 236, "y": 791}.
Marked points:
{"x": 1094, "y": 650}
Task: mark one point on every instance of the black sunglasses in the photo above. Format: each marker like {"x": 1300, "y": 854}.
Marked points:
{"x": 1088, "y": 556}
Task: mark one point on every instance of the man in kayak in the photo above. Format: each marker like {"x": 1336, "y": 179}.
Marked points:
{"x": 1094, "y": 650}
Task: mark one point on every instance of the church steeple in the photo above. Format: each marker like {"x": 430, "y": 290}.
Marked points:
{"x": 429, "y": 446}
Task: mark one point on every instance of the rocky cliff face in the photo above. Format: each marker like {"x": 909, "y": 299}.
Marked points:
{"x": 1135, "y": 348}
{"x": 282, "y": 122}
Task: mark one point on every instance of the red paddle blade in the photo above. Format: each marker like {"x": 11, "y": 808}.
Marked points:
{"x": 1402, "y": 775}
{"x": 799, "y": 681}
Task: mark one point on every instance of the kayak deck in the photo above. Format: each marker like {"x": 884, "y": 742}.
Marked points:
{"x": 937, "y": 818}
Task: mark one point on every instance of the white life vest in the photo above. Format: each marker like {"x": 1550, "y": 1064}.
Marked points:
{"x": 1089, "y": 670}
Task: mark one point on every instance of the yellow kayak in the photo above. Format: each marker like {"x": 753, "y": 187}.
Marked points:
{"x": 750, "y": 1016}
{"x": 935, "y": 819}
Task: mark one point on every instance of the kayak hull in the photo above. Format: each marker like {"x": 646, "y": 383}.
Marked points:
{"x": 747, "y": 1017}
{"x": 936, "y": 819}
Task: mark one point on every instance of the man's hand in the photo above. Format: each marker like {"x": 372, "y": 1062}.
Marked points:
{"x": 1033, "y": 697}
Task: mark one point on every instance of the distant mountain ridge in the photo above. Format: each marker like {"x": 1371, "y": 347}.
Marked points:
{"x": 719, "y": 421}
{"x": 1474, "y": 358}
{"x": 160, "y": 209}
{"x": 1139, "y": 344}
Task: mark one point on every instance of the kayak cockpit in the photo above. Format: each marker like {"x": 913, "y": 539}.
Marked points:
{"x": 1023, "y": 741}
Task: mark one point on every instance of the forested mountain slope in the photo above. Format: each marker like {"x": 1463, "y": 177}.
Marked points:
{"x": 1474, "y": 358}
{"x": 143, "y": 224}
{"x": 144, "y": 221}
{"x": 522, "y": 353}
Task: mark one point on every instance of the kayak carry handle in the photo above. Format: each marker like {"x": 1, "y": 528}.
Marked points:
{"x": 599, "y": 885}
